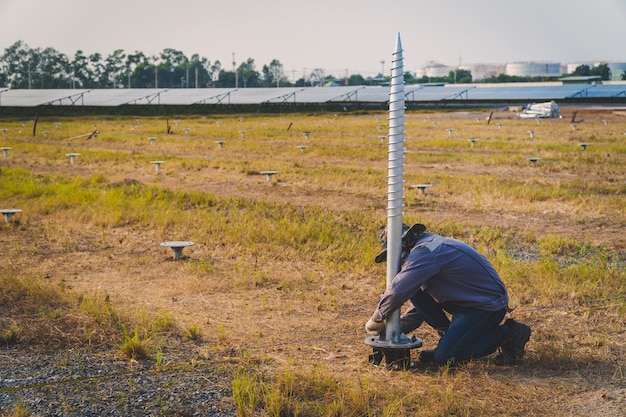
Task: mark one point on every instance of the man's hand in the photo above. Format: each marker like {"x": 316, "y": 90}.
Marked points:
{"x": 374, "y": 327}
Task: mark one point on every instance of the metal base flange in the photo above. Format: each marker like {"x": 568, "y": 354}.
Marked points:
{"x": 396, "y": 354}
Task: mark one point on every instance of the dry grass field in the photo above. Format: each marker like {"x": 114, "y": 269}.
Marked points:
{"x": 276, "y": 290}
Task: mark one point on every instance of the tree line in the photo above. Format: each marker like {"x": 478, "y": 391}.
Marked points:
{"x": 22, "y": 67}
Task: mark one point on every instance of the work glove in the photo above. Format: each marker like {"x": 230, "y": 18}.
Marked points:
{"x": 374, "y": 327}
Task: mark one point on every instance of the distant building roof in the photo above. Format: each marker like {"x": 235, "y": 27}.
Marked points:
{"x": 590, "y": 79}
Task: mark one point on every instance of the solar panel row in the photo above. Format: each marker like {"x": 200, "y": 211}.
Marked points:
{"x": 299, "y": 95}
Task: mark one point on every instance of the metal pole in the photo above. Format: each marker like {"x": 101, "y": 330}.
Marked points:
{"x": 395, "y": 181}
{"x": 393, "y": 344}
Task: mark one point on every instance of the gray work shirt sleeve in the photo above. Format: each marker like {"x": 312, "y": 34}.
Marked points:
{"x": 419, "y": 266}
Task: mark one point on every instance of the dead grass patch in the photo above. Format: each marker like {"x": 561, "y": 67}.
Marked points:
{"x": 281, "y": 278}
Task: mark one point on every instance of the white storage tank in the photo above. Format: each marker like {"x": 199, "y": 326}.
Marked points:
{"x": 533, "y": 69}
{"x": 434, "y": 70}
{"x": 482, "y": 71}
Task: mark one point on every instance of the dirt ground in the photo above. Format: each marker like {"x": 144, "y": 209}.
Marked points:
{"x": 127, "y": 265}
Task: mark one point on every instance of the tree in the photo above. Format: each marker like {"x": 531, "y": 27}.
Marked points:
{"x": 143, "y": 75}
{"x": 582, "y": 71}
{"x": 17, "y": 61}
{"x": 98, "y": 71}
{"x": 225, "y": 79}
{"x": 199, "y": 71}
{"x": 356, "y": 79}
{"x": 317, "y": 77}
{"x": 248, "y": 75}
{"x": 175, "y": 70}
{"x": 133, "y": 63}
{"x": 115, "y": 68}
{"x": 274, "y": 74}
{"x": 463, "y": 76}
{"x": 173, "y": 57}
{"x": 81, "y": 73}
{"x": 409, "y": 78}
{"x": 503, "y": 78}
{"x": 602, "y": 70}
{"x": 53, "y": 69}
{"x": 26, "y": 68}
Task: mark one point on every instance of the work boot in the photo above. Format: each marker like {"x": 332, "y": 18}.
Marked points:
{"x": 512, "y": 348}
{"x": 427, "y": 355}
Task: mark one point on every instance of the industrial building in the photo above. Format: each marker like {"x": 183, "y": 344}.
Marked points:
{"x": 482, "y": 71}
{"x": 535, "y": 69}
{"x": 434, "y": 70}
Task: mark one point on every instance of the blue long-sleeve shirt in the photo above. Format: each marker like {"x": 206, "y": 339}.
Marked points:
{"x": 451, "y": 272}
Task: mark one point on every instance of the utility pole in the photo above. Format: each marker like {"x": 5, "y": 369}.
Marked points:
{"x": 236, "y": 73}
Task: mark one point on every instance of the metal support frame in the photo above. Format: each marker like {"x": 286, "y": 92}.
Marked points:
{"x": 285, "y": 97}
{"x": 582, "y": 93}
{"x": 218, "y": 97}
{"x": 348, "y": 96}
{"x": 458, "y": 95}
{"x": 149, "y": 98}
{"x": 73, "y": 98}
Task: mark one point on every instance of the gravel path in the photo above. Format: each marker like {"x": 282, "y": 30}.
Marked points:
{"x": 84, "y": 383}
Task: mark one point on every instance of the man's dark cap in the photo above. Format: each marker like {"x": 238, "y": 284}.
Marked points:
{"x": 409, "y": 238}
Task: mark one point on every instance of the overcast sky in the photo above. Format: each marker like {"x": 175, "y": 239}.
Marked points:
{"x": 340, "y": 36}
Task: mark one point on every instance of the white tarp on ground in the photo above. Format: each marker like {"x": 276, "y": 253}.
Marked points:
{"x": 535, "y": 110}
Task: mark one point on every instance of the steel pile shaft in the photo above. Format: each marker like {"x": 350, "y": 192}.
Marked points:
{"x": 395, "y": 181}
